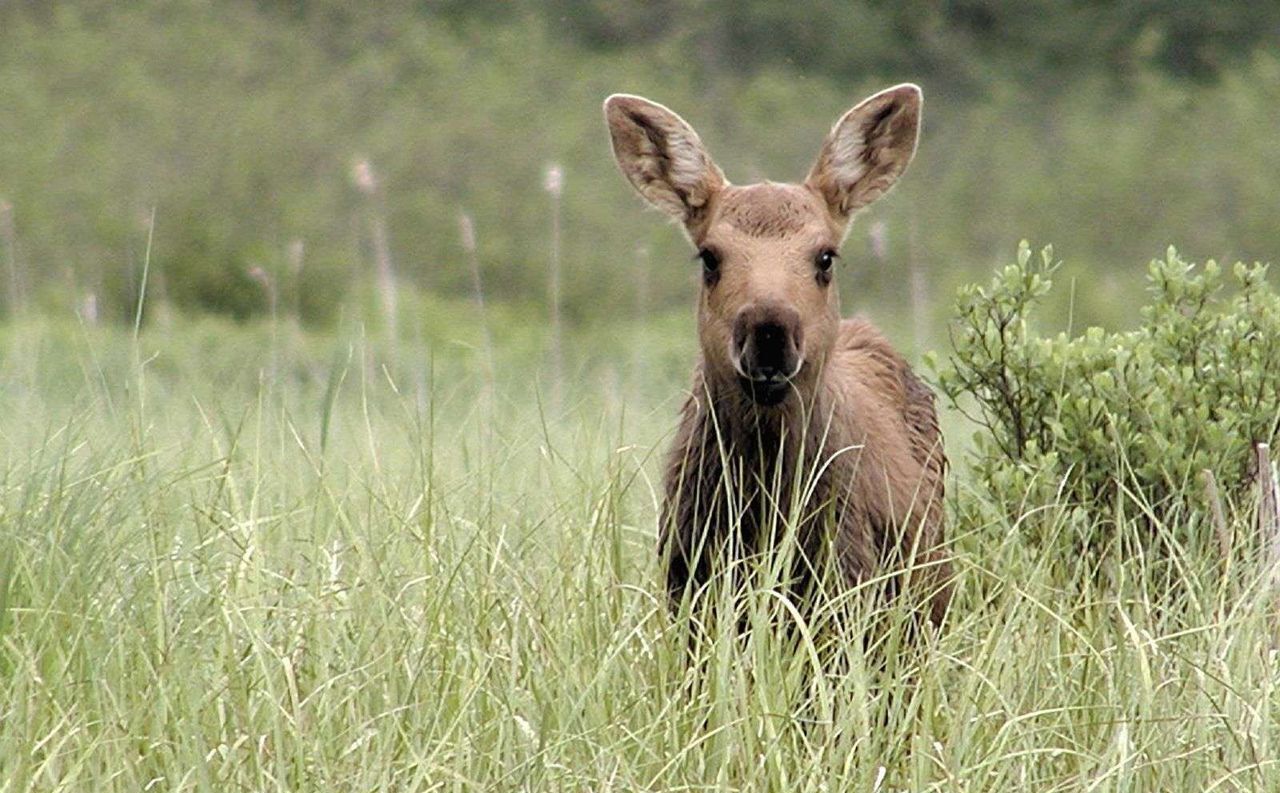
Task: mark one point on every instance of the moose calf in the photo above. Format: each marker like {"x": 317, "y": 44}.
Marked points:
{"x": 798, "y": 412}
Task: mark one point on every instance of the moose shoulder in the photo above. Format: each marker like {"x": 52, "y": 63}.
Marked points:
{"x": 793, "y": 414}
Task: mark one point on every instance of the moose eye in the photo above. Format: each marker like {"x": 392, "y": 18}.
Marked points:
{"x": 824, "y": 261}
{"x": 710, "y": 265}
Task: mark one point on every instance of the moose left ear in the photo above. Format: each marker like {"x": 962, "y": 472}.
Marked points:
{"x": 867, "y": 150}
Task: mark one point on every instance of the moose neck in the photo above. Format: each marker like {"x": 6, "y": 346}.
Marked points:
{"x": 784, "y": 432}
{"x": 768, "y": 457}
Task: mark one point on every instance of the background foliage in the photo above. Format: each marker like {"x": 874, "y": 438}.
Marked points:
{"x": 1113, "y": 129}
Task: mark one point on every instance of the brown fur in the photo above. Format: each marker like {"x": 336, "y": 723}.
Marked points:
{"x": 857, "y": 430}
{"x": 887, "y": 482}
{"x": 765, "y": 210}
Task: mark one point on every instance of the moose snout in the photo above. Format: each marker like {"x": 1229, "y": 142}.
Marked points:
{"x": 767, "y": 350}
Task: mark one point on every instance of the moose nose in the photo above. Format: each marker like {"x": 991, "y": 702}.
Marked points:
{"x": 767, "y": 342}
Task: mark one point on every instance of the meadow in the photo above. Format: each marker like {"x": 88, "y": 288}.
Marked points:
{"x": 255, "y": 537}
{"x": 246, "y": 556}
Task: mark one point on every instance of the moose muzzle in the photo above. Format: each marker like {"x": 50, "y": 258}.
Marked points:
{"x": 767, "y": 351}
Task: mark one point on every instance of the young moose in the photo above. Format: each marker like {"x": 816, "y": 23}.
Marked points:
{"x": 783, "y": 386}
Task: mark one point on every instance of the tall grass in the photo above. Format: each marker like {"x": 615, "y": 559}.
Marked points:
{"x": 352, "y": 576}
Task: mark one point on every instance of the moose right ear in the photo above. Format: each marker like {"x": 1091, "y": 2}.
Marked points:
{"x": 662, "y": 157}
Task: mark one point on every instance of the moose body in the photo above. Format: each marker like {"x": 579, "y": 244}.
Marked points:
{"x": 795, "y": 417}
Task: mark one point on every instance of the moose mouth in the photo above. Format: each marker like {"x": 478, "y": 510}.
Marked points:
{"x": 766, "y": 391}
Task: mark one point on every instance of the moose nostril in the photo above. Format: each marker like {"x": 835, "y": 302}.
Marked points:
{"x": 768, "y": 334}
{"x": 771, "y": 346}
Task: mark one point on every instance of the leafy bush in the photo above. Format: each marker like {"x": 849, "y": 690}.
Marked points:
{"x": 1094, "y": 420}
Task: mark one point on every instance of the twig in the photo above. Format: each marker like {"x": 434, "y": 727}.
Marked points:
{"x": 297, "y": 258}
{"x": 142, "y": 286}
{"x": 1268, "y": 502}
{"x": 10, "y": 234}
{"x": 367, "y": 182}
{"x": 554, "y": 185}
{"x": 919, "y": 291}
{"x": 268, "y": 285}
{"x": 642, "y": 313}
{"x": 1269, "y": 523}
{"x": 467, "y": 230}
{"x": 1220, "y": 528}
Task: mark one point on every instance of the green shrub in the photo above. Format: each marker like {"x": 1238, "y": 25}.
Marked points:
{"x": 1106, "y": 422}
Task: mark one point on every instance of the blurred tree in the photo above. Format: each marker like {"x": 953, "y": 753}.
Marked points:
{"x": 238, "y": 123}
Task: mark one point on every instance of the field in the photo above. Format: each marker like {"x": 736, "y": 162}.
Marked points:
{"x": 300, "y": 490}
{"x": 249, "y": 557}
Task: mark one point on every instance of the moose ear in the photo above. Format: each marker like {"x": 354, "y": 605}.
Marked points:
{"x": 867, "y": 150}
{"x": 662, "y": 157}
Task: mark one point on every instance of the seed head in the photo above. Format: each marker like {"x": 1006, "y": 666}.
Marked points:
{"x": 553, "y": 180}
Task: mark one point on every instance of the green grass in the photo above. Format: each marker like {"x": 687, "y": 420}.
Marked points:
{"x": 321, "y": 564}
